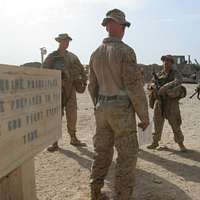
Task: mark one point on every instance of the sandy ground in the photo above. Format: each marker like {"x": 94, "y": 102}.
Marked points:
{"x": 163, "y": 174}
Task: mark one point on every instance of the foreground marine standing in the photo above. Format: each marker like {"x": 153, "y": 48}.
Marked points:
{"x": 166, "y": 91}
{"x": 73, "y": 80}
{"x": 116, "y": 88}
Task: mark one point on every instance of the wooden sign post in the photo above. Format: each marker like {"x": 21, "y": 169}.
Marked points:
{"x": 30, "y": 120}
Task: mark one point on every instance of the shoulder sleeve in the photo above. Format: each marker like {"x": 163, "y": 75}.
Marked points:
{"x": 178, "y": 77}
{"x": 78, "y": 68}
{"x": 48, "y": 62}
{"x": 93, "y": 87}
{"x": 177, "y": 80}
{"x": 133, "y": 81}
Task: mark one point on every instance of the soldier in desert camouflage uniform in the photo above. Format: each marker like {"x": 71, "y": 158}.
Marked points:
{"x": 166, "y": 106}
{"x": 73, "y": 80}
{"x": 116, "y": 88}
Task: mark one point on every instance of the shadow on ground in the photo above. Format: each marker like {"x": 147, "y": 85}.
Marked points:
{"x": 188, "y": 172}
{"x": 148, "y": 186}
{"x": 84, "y": 162}
{"x": 191, "y": 154}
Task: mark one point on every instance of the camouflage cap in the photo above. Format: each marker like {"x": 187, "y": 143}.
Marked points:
{"x": 116, "y": 15}
{"x": 63, "y": 36}
{"x": 167, "y": 57}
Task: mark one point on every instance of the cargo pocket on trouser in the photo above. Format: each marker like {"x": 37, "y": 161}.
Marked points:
{"x": 103, "y": 149}
{"x": 127, "y": 149}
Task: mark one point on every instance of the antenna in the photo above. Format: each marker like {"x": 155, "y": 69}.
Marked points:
{"x": 43, "y": 51}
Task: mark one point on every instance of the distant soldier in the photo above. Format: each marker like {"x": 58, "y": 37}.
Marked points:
{"x": 73, "y": 80}
{"x": 166, "y": 93}
{"x": 116, "y": 88}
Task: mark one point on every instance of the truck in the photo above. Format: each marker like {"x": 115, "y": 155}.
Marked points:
{"x": 190, "y": 70}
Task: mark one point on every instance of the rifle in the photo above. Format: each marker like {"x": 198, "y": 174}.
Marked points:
{"x": 197, "y": 91}
{"x": 156, "y": 79}
{"x": 158, "y": 86}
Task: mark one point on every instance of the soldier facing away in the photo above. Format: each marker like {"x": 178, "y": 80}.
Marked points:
{"x": 116, "y": 88}
{"x": 166, "y": 102}
{"x": 73, "y": 80}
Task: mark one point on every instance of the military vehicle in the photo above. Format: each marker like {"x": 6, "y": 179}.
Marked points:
{"x": 189, "y": 70}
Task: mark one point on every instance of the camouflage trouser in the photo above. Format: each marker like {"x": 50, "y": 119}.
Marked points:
{"x": 69, "y": 104}
{"x": 115, "y": 126}
{"x": 171, "y": 112}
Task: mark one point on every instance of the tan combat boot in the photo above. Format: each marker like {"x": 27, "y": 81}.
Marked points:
{"x": 154, "y": 145}
{"x": 53, "y": 148}
{"x": 95, "y": 193}
{"x": 74, "y": 140}
{"x": 182, "y": 147}
{"x": 100, "y": 197}
{"x": 123, "y": 193}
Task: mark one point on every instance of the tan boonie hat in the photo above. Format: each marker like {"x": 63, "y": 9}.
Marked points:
{"x": 63, "y": 36}
{"x": 116, "y": 15}
{"x": 167, "y": 57}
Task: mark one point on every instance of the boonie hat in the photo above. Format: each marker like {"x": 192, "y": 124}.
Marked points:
{"x": 167, "y": 57}
{"x": 116, "y": 15}
{"x": 63, "y": 36}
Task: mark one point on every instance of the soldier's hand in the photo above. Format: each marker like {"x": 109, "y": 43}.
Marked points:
{"x": 150, "y": 86}
{"x": 143, "y": 125}
{"x": 63, "y": 83}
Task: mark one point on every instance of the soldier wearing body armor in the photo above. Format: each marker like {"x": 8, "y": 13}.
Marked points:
{"x": 73, "y": 80}
{"x": 166, "y": 91}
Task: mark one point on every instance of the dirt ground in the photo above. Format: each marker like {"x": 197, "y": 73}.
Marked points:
{"x": 163, "y": 174}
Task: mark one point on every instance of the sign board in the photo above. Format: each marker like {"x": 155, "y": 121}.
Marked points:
{"x": 30, "y": 113}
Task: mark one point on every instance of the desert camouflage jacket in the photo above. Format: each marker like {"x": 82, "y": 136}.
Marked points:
{"x": 69, "y": 65}
{"x": 114, "y": 71}
{"x": 172, "y": 79}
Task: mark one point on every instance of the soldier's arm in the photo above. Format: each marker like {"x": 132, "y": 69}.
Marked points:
{"x": 132, "y": 79}
{"x": 80, "y": 68}
{"x": 93, "y": 87}
{"x": 177, "y": 80}
{"x": 48, "y": 62}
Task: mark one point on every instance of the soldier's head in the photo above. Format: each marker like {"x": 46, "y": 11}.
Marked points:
{"x": 63, "y": 40}
{"x": 168, "y": 62}
{"x": 115, "y": 23}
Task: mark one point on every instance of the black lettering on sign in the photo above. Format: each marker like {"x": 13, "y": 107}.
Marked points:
{"x": 29, "y": 84}
{"x": 33, "y": 84}
{"x": 14, "y": 124}
{"x": 30, "y": 136}
{"x": 34, "y": 117}
{"x": 2, "y": 106}
{"x": 52, "y": 111}
{"x": 4, "y": 85}
{"x": 47, "y": 98}
{"x": 24, "y": 102}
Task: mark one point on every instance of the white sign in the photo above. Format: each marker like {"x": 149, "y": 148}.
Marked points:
{"x": 145, "y": 137}
{"x": 30, "y": 113}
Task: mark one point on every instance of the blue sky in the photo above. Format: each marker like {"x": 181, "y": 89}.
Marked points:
{"x": 158, "y": 27}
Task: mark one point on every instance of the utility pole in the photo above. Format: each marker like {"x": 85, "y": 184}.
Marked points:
{"x": 43, "y": 51}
